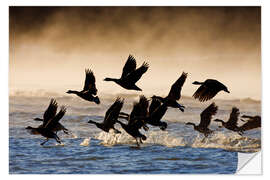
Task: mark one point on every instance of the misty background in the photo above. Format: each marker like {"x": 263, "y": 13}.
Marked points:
{"x": 50, "y": 47}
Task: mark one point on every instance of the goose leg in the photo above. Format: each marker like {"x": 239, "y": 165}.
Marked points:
{"x": 116, "y": 131}
{"x": 44, "y": 142}
{"x": 240, "y": 133}
{"x": 146, "y": 128}
{"x": 57, "y": 139}
{"x": 203, "y": 140}
{"x": 243, "y": 120}
{"x": 181, "y": 107}
{"x": 66, "y": 131}
{"x": 138, "y": 144}
{"x": 123, "y": 117}
{"x": 125, "y": 114}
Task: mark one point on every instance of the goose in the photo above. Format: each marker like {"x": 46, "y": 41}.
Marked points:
{"x": 155, "y": 114}
{"x": 231, "y": 124}
{"x": 50, "y": 123}
{"x": 110, "y": 117}
{"x": 50, "y": 113}
{"x": 44, "y": 132}
{"x": 130, "y": 75}
{"x": 206, "y": 117}
{"x": 174, "y": 94}
{"x": 139, "y": 110}
{"x": 208, "y": 89}
{"x": 132, "y": 129}
{"x": 89, "y": 89}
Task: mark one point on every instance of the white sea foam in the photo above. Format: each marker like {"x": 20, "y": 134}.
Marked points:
{"x": 74, "y": 135}
{"x": 86, "y": 142}
{"x": 228, "y": 141}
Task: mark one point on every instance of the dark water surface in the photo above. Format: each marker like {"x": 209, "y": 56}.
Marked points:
{"x": 179, "y": 149}
{"x": 30, "y": 158}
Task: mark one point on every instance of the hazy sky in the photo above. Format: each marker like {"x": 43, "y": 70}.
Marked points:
{"x": 51, "y": 46}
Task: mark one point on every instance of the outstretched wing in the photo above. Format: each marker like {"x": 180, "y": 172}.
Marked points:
{"x": 60, "y": 114}
{"x": 207, "y": 114}
{"x": 50, "y": 111}
{"x": 233, "y": 117}
{"x": 134, "y": 76}
{"x": 158, "y": 113}
{"x": 129, "y": 67}
{"x": 204, "y": 93}
{"x": 90, "y": 82}
{"x": 155, "y": 103}
{"x": 138, "y": 112}
{"x": 113, "y": 112}
{"x": 144, "y": 103}
{"x": 134, "y": 113}
{"x": 52, "y": 122}
{"x": 208, "y": 90}
{"x": 175, "y": 92}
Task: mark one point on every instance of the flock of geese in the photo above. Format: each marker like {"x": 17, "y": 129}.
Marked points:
{"x": 143, "y": 112}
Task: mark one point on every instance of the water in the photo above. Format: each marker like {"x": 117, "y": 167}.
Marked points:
{"x": 88, "y": 150}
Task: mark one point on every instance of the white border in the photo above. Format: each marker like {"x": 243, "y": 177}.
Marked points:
{"x": 4, "y": 69}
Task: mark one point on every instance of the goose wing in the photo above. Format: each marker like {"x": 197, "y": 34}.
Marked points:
{"x": 175, "y": 92}
{"x": 129, "y": 67}
{"x": 208, "y": 90}
{"x": 144, "y": 103}
{"x": 207, "y": 114}
{"x": 155, "y": 103}
{"x": 113, "y": 112}
{"x": 134, "y": 76}
{"x": 50, "y": 111}
{"x": 159, "y": 112}
{"x": 134, "y": 113}
{"x": 139, "y": 111}
{"x": 90, "y": 82}
{"x": 55, "y": 120}
{"x": 233, "y": 117}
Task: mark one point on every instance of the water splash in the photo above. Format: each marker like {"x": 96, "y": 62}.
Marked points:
{"x": 86, "y": 142}
{"x": 74, "y": 136}
{"x": 229, "y": 141}
{"x": 164, "y": 138}
{"x": 112, "y": 138}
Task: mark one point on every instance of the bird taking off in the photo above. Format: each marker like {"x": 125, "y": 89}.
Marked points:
{"x": 206, "y": 117}
{"x": 110, "y": 117}
{"x": 50, "y": 124}
{"x": 174, "y": 94}
{"x": 231, "y": 124}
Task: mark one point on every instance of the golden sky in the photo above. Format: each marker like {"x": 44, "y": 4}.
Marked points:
{"x": 50, "y": 47}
